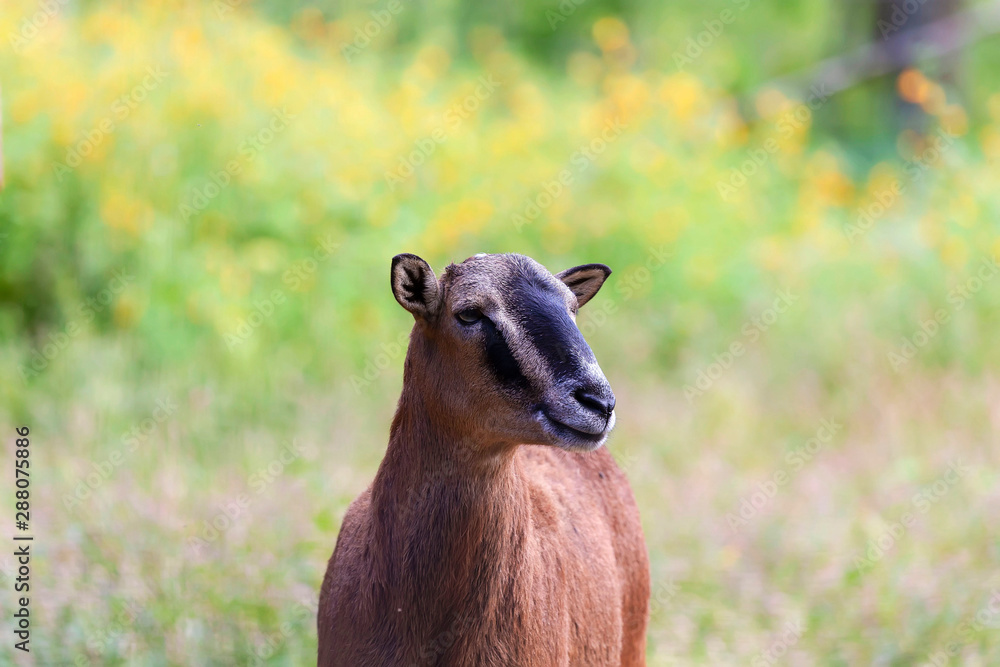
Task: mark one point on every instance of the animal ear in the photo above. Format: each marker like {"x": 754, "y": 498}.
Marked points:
{"x": 414, "y": 285}
{"x": 584, "y": 280}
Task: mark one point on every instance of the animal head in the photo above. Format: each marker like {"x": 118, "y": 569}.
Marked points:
{"x": 499, "y": 352}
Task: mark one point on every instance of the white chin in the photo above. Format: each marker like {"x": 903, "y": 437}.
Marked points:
{"x": 569, "y": 438}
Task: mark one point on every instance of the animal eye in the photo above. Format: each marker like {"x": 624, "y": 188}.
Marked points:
{"x": 469, "y": 316}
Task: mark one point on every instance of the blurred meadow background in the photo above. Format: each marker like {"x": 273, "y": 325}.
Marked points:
{"x": 799, "y": 201}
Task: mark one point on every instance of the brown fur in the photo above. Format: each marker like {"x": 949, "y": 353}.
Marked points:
{"x": 471, "y": 550}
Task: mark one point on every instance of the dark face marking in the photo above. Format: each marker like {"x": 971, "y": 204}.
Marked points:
{"x": 513, "y": 352}
{"x": 500, "y": 359}
{"x": 544, "y": 317}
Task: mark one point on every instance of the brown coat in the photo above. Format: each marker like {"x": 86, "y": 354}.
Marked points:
{"x": 470, "y": 549}
{"x": 533, "y": 558}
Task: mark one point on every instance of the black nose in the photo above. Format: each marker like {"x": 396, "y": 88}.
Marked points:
{"x": 601, "y": 401}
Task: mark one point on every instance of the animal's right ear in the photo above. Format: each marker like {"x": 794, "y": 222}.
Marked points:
{"x": 414, "y": 285}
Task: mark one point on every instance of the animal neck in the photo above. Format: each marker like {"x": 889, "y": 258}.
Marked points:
{"x": 451, "y": 520}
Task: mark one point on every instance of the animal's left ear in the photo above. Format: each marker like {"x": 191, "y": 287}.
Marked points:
{"x": 414, "y": 285}
{"x": 584, "y": 280}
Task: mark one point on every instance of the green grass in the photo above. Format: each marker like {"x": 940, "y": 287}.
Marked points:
{"x": 725, "y": 584}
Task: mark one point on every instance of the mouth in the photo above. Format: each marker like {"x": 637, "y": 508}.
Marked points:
{"x": 571, "y": 437}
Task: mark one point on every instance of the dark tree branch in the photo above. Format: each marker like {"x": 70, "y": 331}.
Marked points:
{"x": 935, "y": 40}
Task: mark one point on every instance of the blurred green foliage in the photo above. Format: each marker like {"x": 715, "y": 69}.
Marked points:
{"x": 202, "y": 202}
{"x": 138, "y": 200}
